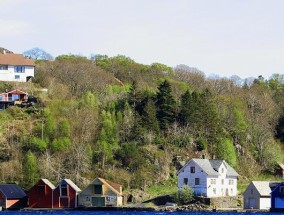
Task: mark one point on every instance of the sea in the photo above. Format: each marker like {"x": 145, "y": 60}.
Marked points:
{"x": 128, "y": 213}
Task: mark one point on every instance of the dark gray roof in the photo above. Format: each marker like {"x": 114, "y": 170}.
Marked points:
{"x": 230, "y": 170}
{"x": 206, "y": 166}
{"x": 12, "y": 191}
{"x": 210, "y": 167}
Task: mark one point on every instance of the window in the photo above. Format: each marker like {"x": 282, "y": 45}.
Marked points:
{"x": 222, "y": 181}
{"x": 281, "y": 190}
{"x": 17, "y": 77}
{"x": 192, "y": 169}
{"x": 41, "y": 190}
{"x": 64, "y": 190}
{"x": 222, "y": 170}
{"x": 19, "y": 69}
{"x": 3, "y": 67}
{"x": 185, "y": 181}
{"x": 231, "y": 182}
{"x": 251, "y": 191}
{"x": 197, "y": 181}
{"x": 98, "y": 189}
{"x": 214, "y": 191}
{"x": 213, "y": 181}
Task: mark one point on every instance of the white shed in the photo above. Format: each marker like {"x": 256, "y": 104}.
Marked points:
{"x": 257, "y": 195}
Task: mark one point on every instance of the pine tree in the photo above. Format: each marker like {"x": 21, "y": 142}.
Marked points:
{"x": 165, "y": 104}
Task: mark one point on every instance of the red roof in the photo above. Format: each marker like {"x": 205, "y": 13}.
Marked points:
{"x": 15, "y": 59}
{"x": 113, "y": 185}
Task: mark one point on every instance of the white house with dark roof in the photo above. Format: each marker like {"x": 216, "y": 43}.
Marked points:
{"x": 209, "y": 178}
{"x": 257, "y": 195}
{"x": 15, "y": 67}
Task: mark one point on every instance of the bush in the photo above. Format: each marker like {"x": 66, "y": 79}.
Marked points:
{"x": 60, "y": 144}
{"x": 184, "y": 195}
{"x": 201, "y": 144}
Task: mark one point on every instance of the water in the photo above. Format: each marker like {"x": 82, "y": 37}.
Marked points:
{"x": 127, "y": 213}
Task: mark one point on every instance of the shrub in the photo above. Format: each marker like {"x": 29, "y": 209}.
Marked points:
{"x": 184, "y": 195}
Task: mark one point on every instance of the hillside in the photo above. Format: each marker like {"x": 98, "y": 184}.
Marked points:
{"x": 132, "y": 123}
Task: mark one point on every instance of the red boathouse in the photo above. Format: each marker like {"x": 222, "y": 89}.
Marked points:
{"x": 65, "y": 195}
{"x": 40, "y": 195}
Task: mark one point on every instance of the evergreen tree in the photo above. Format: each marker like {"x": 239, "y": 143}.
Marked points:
{"x": 149, "y": 119}
{"x": 185, "y": 110}
{"x": 165, "y": 104}
{"x": 30, "y": 169}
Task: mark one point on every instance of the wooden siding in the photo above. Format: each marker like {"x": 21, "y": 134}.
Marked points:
{"x": 88, "y": 198}
{"x": 39, "y": 199}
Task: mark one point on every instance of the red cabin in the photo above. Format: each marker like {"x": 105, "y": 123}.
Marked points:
{"x": 65, "y": 195}
{"x": 40, "y": 195}
{"x": 12, "y": 98}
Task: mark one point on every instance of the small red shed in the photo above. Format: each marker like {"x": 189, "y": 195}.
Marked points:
{"x": 65, "y": 194}
{"x": 12, "y": 196}
{"x": 40, "y": 195}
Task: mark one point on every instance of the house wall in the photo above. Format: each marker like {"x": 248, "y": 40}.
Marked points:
{"x": 277, "y": 199}
{"x": 264, "y": 203}
{"x": 37, "y": 200}
{"x": 2, "y": 201}
{"x": 111, "y": 198}
{"x": 200, "y": 189}
{"x": 9, "y": 75}
{"x": 251, "y": 197}
{"x": 72, "y": 197}
{"x": 206, "y": 187}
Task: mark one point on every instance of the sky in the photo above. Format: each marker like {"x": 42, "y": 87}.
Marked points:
{"x": 222, "y": 37}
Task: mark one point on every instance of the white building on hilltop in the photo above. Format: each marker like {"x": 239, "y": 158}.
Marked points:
{"x": 15, "y": 67}
{"x": 209, "y": 178}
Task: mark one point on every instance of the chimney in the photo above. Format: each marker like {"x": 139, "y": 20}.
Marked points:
{"x": 203, "y": 156}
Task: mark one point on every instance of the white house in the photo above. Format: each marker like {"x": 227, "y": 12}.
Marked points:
{"x": 15, "y": 67}
{"x": 210, "y": 178}
{"x": 257, "y": 195}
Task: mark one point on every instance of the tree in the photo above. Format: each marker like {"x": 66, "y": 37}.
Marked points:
{"x": 165, "y": 104}
{"x": 30, "y": 169}
{"x": 184, "y": 195}
{"x": 37, "y": 54}
{"x": 225, "y": 150}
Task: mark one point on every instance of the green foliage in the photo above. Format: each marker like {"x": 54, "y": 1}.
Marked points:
{"x": 89, "y": 100}
{"x": 37, "y": 144}
{"x": 272, "y": 154}
{"x": 130, "y": 156}
{"x": 201, "y": 144}
{"x": 117, "y": 119}
{"x": 184, "y": 195}
{"x": 60, "y": 144}
{"x": 30, "y": 169}
{"x": 168, "y": 188}
{"x": 64, "y": 129}
{"x": 225, "y": 150}
{"x": 71, "y": 57}
{"x": 165, "y": 104}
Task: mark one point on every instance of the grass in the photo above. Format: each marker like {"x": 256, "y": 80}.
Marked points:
{"x": 170, "y": 187}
